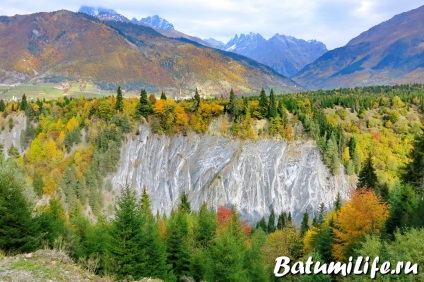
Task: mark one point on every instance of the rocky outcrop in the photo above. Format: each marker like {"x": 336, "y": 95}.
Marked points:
{"x": 252, "y": 176}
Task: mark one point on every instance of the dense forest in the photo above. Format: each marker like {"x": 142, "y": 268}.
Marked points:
{"x": 51, "y": 195}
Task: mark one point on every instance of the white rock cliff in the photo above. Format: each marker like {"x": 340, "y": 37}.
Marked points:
{"x": 252, "y": 176}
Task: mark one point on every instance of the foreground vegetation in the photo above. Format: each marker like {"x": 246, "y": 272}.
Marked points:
{"x": 72, "y": 145}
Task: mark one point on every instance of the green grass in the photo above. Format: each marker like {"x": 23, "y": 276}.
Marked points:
{"x": 50, "y": 91}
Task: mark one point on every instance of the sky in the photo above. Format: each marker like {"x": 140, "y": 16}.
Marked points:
{"x": 333, "y": 22}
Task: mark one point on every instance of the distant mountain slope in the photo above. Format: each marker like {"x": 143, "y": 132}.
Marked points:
{"x": 389, "y": 53}
{"x": 285, "y": 54}
{"x": 66, "y": 45}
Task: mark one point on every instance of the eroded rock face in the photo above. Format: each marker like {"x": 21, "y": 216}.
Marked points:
{"x": 11, "y": 137}
{"x": 252, "y": 176}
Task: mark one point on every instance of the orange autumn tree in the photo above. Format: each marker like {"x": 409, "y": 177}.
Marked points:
{"x": 364, "y": 214}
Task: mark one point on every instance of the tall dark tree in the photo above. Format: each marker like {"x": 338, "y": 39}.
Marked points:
{"x": 2, "y": 105}
{"x": 184, "y": 204}
{"x": 23, "y": 105}
{"x": 304, "y": 226}
{"x": 263, "y": 104}
{"x": 338, "y": 203}
{"x": 144, "y": 107}
{"x": 126, "y": 237}
{"x": 177, "y": 244}
{"x": 196, "y": 104}
{"x": 272, "y": 108}
{"x": 163, "y": 96}
{"x": 282, "y": 220}
{"x": 271, "y": 222}
{"x": 414, "y": 171}
{"x": 152, "y": 245}
{"x": 367, "y": 176}
{"x": 119, "y": 106}
{"x": 17, "y": 227}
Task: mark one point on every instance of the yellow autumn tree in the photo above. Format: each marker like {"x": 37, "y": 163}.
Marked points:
{"x": 364, "y": 214}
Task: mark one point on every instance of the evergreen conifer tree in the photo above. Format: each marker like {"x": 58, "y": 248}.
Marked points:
{"x": 2, "y": 105}
{"x": 304, "y": 226}
{"x": 196, "y": 104}
{"x": 414, "y": 172}
{"x": 271, "y": 222}
{"x": 282, "y": 219}
{"x": 144, "y": 107}
{"x": 367, "y": 176}
{"x": 17, "y": 227}
{"x": 23, "y": 105}
{"x": 126, "y": 244}
{"x": 272, "y": 108}
{"x": 163, "y": 96}
{"x": 119, "y": 106}
{"x": 263, "y": 104}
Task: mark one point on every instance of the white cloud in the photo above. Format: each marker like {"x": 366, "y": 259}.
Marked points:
{"x": 333, "y": 22}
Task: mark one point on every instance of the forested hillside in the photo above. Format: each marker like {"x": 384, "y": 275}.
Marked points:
{"x": 53, "y": 193}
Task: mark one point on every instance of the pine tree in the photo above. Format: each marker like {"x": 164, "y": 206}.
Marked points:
{"x": 2, "y": 105}
{"x": 414, "y": 172}
{"x": 338, "y": 202}
{"x": 228, "y": 252}
{"x": 184, "y": 205}
{"x": 262, "y": 225}
{"x": 144, "y": 107}
{"x": 367, "y": 176}
{"x": 152, "y": 244}
{"x": 163, "y": 96}
{"x": 325, "y": 242}
{"x": 304, "y": 226}
{"x": 271, "y": 222}
{"x": 263, "y": 104}
{"x": 177, "y": 244}
{"x": 196, "y": 104}
{"x": 52, "y": 222}
{"x": 23, "y": 105}
{"x": 119, "y": 106}
{"x": 272, "y": 108}
{"x": 206, "y": 226}
{"x": 282, "y": 219}
{"x": 17, "y": 227}
{"x": 126, "y": 237}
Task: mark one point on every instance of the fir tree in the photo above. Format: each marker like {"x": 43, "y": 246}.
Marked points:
{"x": 282, "y": 219}
{"x": 338, "y": 202}
{"x": 23, "y": 105}
{"x": 152, "y": 245}
{"x": 126, "y": 244}
{"x": 206, "y": 226}
{"x": 2, "y": 105}
{"x": 196, "y": 104}
{"x": 263, "y": 104}
{"x": 304, "y": 226}
{"x": 324, "y": 244}
{"x": 144, "y": 107}
{"x": 17, "y": 227}
{"x": 119, "y": 106}
{"x": 367, "y": 176}
{"x": 271, "y": 222}
{"x": 177, "y": 244}
{"x": 414, "y": 171}
{"x": 272, "y": 108}
{"x": 184, "y": 205}
{"x": 262, "y": 225}
{"x": 163, "y": 96}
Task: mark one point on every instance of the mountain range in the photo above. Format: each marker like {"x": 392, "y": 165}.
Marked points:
{"x": 285, "y": 54}
{"x": 64, "y": 45}
{"x": 389, "y": 53}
